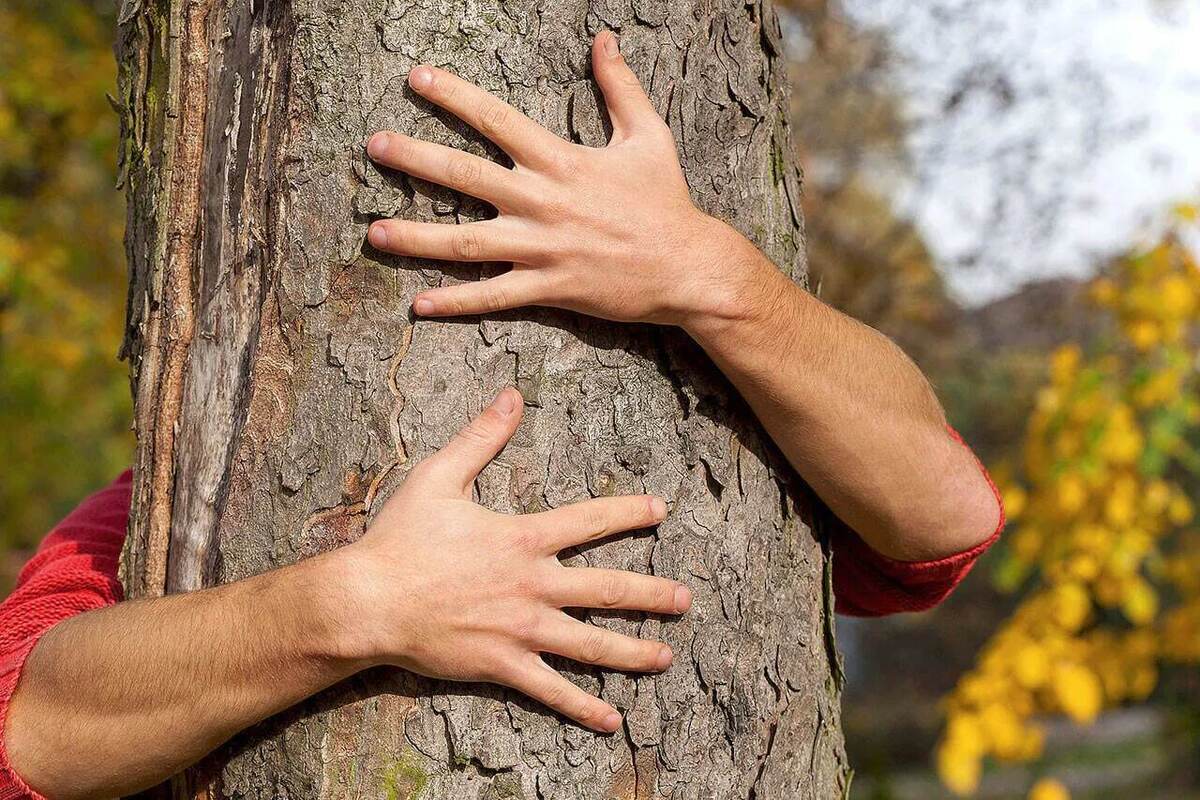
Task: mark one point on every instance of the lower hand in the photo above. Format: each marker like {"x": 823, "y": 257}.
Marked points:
{"x": 462, "y": 593}
{"x": 610, "y": 232}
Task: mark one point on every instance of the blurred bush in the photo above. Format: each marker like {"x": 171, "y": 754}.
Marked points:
{"x": 1104, "y": 549}
{"x": 65, "y": 408}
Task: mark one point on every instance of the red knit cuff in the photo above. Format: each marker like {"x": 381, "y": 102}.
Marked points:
{"x": 11, "y": 785}
{"x": 868, "y": 583}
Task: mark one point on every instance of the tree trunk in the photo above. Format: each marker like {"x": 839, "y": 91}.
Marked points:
{"x": 282, "y": 387}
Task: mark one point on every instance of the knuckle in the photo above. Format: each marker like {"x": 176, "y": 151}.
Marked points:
{"x": 476, "y": 432}
{"x": 420, "y": 471}
{"x": 593, "y": 648}
{"x": 466, "y": 245}
{"x": 595, "y": 521}
{"x": 497, "y": 669}
{"x": 440, "y": 88}
{"x": 524, "y": 627}
{"x": 555, "y": 696}
{"x": 627, "y": 80}
{"x": 612, "y": 591}
{"x": 555, "y": 284}
{"x": 463, "y": 171}
{"x": 524, "y": 540}
{"x": 555, "y": 207}
{"x": 399, "y": 149}
{"x": 588, "y": 711}
{"x": 493, "y": 117}
{"x": 566, "y": 162}
{"x": 494, "y": 297}
{"x": 455, "y": 303}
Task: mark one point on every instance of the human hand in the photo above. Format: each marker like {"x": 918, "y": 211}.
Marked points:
{"x": 610, "y": 232}
{"x": 463, "y": 593}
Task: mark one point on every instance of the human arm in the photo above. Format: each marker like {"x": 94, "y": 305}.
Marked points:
{"x": 612, "y": 232}
{"x": 117, "y": 699}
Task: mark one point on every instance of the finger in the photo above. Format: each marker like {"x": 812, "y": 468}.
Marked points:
{"x": 524, "y": 140}
{"x": 551, "y": 689}
{"x": 469, "y": 451}
{"x": 447, "y": 166}
{"x": 594, "y": 519}
{"x": 628, "y": 106}
{"x": 518, "y": 287}
{"x": 590, "y": 644}
{"x": 587, "y": 587}
{"x": 471, "y": 241}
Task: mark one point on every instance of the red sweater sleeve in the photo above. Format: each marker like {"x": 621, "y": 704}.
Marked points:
{"x": 869, "y": 584}
{"x": 74, "y": 570}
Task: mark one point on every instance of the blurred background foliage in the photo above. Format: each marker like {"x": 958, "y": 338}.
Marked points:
{"x": 1064, "y": 668}
{"x": 65, "y": 406}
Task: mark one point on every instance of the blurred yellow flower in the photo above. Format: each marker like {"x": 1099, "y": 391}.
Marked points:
{"x": 959, "y": 769}
{"x": 1180, "y": 510}
{"x": 1014, "y": 501}
{"x": 1143, "y": 333}
{"x": 1072, "y": 494}
{"x": 1032, "y": 666}
{"x": 1078, "y": 692}
{"x": 1139, "y": 602}
{"x": 1177, "y": 297}
{"x": 1049, "y": 789}
{"x": 1071, "y": 606}
{"x": 1105, "y": 505}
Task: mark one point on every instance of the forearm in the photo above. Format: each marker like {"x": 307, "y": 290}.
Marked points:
{"x": 853, "y": 415}
{"x": 116, "y": 700}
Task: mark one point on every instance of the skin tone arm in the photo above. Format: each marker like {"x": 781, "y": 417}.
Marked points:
{"x": 612, "y": 232}
{"x": 438, "y": 585}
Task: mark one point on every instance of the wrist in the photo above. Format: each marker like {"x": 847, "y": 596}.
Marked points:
{"x": 339, "y": 594}
{"x": 737, "y": 285}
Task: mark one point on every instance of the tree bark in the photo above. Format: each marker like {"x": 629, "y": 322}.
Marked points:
{"x": 282, "y": 387}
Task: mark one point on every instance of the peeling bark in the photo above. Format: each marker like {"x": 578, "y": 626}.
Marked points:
{"x": 282, "y": 387}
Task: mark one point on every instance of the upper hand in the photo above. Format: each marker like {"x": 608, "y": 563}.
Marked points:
{"x": 610, "y": 232}
{"x": 463, "y": 593}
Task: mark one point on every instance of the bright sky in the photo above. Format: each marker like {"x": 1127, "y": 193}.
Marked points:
{"x": 1082, "y": 128}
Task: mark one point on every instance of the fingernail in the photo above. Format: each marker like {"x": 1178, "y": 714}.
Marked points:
{"x": 612, "y": 722}
{"x": 506, "y": 402}
{"x": 423, "y": 305}
{"x": 658, "y": 507}
{"x": 421, "y": 77}
{"x": 612, "y": 46}
{"x": 665, "y": 657}
{"x": 683, "y": 599}
{"x": 377, "y": 145}
{"x": 377, "y": 236}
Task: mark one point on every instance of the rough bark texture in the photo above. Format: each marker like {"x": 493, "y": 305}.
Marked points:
{"x": 283, "y": 389}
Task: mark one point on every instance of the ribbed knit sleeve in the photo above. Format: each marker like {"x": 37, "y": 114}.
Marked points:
{"x": 74, "y": 570}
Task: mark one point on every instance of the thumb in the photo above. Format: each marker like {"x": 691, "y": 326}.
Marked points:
{"x": 628, "y": 106}
{"x": 462, "y": 459}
